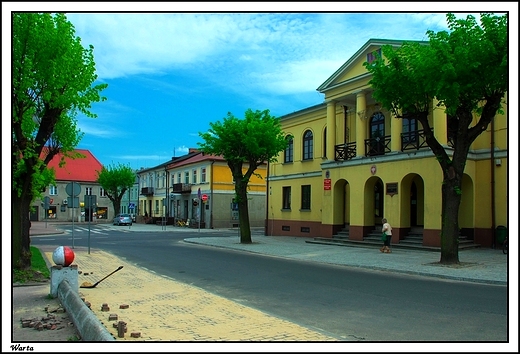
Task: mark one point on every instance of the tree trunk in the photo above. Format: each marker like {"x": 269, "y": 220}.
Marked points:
{"x": 243, "y": 212}
{"x": 117, "y": 206}
{"x": 451, "y": 197}
{"x": 21, "y": 248}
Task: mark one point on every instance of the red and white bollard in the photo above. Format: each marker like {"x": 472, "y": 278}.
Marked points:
{"x": 63, "y": 257}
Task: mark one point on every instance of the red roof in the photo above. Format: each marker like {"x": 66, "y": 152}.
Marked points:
{"x": 77, "y": 170}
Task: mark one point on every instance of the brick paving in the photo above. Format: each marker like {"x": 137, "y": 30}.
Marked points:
{"x": 161, "y": 309}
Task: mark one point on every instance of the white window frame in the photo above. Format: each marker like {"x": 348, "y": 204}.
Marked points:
{"x": 53, "y": 190}
{"x": 203, "y": 175}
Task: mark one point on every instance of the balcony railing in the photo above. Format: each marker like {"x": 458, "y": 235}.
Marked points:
{"x": 344, "y": 152}
{"x": 147, "y": 191}
{"x": 181, "y": 188}
{"x": 413, "y": 140}
{"x": 377, "y": 146}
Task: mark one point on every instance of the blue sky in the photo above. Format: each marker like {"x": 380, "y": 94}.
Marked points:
{"x": 169, "y": 74}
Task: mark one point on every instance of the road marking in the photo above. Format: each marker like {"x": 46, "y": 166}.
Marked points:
{"x": 85, "y": 230}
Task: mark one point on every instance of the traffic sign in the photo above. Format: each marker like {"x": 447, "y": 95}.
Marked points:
{"x": 46, "y": 202}
{"x": 90, "y": 201}
{"x": 73, "y": 189}
{"x": 131, "y": 206}
{"x": 204, "y": 197}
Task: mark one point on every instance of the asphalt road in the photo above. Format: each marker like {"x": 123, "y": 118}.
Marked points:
{"x": 350, "y": 303}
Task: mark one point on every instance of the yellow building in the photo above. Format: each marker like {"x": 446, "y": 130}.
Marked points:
{"x": 350, "y": 163}
{"x": 198, "y": 187}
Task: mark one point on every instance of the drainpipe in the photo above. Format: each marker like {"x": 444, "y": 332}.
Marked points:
{"x": 211, "y": 195}
{"x": 493, "y": 221}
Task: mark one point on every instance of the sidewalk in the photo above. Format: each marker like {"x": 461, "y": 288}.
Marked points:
{"x": 481, "y": 265}
{"x": 156, "y": 308}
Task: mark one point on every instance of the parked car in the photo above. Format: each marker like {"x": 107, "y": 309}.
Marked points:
{"x": 122, "y": 219}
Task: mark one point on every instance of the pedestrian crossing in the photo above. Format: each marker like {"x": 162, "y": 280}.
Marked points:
{"x": 98, "y": 230}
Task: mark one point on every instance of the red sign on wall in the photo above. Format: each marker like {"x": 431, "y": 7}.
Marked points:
{"x": 326, "y": 184}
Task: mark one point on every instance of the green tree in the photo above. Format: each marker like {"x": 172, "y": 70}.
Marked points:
{"x": 466, "y": 71}
{"x": 52, "y": 77}
{"x": 254, "y": 140}
{"x": 116, "y": 180}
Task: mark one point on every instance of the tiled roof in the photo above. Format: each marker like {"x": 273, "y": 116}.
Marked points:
{"x": 79, "y": 169}
{"x": 193, "y": 158}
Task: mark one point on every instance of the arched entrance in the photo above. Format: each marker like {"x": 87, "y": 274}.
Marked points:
{"x": 413, "y": 204}
{"x": 466, "y": 208}
{"x": 341, "y": 200}
{"x": 412, "y": 201}
{"x": 374, "y": 201}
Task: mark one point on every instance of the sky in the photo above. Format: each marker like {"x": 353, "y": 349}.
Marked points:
{"x": 172, "y": 71}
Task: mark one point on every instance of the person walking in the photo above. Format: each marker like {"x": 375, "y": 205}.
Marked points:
{"x": 387, "y": 236}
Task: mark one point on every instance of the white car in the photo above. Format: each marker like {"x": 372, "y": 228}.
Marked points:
{"x": 122, "y": 219}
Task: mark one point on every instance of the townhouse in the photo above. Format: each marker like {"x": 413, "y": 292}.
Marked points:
{"x": 78, "y": 176}
{"x": 197, "y": 188}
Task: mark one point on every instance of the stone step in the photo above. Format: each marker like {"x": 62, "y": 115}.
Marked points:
{"x": 375, "y": 241}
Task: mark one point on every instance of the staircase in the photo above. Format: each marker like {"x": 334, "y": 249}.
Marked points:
{"x": 414, "y": 240}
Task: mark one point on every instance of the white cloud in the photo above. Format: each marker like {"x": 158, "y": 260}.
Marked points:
{"x": 249, "y": 50}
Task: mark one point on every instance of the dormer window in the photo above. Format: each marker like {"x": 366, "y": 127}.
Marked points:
{"x": 373, "y": 55}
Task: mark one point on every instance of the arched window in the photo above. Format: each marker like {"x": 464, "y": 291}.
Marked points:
{"x": 307, "y": 145}
{"x": 288, "y": 155}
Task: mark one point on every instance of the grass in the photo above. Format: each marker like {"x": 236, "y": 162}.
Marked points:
{"x": 39, "y": 271}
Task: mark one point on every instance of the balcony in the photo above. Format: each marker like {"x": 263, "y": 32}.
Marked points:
{"x": 181, "y": 188}
{"x": 413, "y": 140}
{"x": 377, "y": 146}
{"x": 344, "y": 152}
{"x": 147, "y": 191}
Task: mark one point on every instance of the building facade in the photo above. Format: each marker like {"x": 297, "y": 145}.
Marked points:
{"x": 75, "y": 179}
{"x": 130, "y": 200}
{"x": 198, "y": 188}
{"x": 350, "y": 163}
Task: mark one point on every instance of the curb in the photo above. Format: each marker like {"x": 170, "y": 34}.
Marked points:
{"x": 86, "y": 322}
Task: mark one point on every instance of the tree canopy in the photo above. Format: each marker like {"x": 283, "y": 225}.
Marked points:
{"x": 116, "y": 180}
{"x": 464, "y": 72}
{"x": 254, "y": 140}
{"x": 52, "y": 81}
